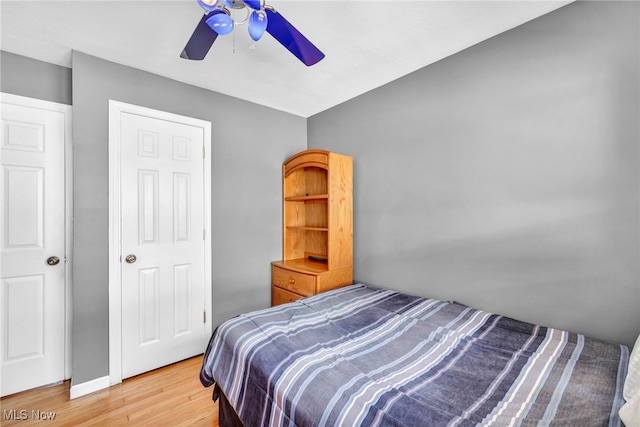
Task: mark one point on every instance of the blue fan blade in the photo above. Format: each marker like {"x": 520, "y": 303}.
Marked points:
{"x": 201, "y": 40}
{"x": 292, "y": 39}
{"x": 253, "y": 4}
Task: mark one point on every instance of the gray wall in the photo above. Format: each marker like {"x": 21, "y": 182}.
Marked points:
{"x": 24, "y": 76}
{"x": 506, "y": 176}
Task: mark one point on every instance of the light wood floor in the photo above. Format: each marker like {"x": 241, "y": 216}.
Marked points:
{"x": 170, "y": 396}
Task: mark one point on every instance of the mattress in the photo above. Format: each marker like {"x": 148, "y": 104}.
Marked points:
{"x": 365, "y": 356}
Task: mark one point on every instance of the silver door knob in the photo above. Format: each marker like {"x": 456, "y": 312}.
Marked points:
{"x": 53, "y": 260}
{"x": 130, "y": 258}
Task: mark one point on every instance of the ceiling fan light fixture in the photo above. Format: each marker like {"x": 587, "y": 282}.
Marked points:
{"x": 261, "y": 18}
{"x": 220, "y": 22}
{"x": 257, "y": 24}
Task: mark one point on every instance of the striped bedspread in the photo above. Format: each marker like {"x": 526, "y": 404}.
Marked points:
{"x": 361, "y": 356}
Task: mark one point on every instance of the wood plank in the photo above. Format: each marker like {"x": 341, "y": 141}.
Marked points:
{"x": 171, "y": 395}
{"x": 340, "y": 245}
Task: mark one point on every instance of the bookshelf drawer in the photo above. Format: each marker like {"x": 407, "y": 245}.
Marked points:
{"x": 299, "y": 283}
{"x": 282, "y": 296}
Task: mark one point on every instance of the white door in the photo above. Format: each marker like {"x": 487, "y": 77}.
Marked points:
{"x": 32, "y": 296}
{"x": 163, "y": 242}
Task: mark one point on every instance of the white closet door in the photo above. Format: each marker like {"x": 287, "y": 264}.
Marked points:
{"x": 32, "y": 295}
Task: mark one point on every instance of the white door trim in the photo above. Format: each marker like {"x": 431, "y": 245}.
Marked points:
{"x": 116, "y": 108}
{"x": 66, "y": 110}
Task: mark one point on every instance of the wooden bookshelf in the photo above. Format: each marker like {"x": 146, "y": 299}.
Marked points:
{"x": 317, "y": 225}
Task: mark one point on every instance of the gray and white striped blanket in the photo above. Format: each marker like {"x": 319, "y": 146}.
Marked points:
{"x": 361, "y": 356}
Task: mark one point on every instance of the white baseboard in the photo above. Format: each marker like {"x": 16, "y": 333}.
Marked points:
{"x": 88, "y": 387}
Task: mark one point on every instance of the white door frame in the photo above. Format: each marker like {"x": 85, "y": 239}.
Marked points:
{"x": 66, "y": 110}
{"x": 116, "y": 108}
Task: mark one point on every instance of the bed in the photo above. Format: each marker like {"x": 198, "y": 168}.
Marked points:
{"x": 365, "y": 356}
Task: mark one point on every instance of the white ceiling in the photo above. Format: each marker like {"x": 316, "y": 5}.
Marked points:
{"x": 366, "y": 43}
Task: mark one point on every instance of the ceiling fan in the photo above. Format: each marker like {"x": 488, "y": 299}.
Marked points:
{"x": 260, "y": 18}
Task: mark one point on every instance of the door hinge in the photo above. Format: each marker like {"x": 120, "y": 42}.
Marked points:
{"x": 204, "y": 316}
{"x": 204, "y": 155}
{"x": 204, "y": 234}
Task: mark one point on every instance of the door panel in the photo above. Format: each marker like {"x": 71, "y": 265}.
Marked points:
{"x": 32, "y": 294}
{"x": 162, "y": 204}
{"x": 24, "y": 203}
{"x": 25, "y": 333}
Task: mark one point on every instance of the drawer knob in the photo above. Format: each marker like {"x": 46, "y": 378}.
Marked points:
{"x": 292, "y": 281}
